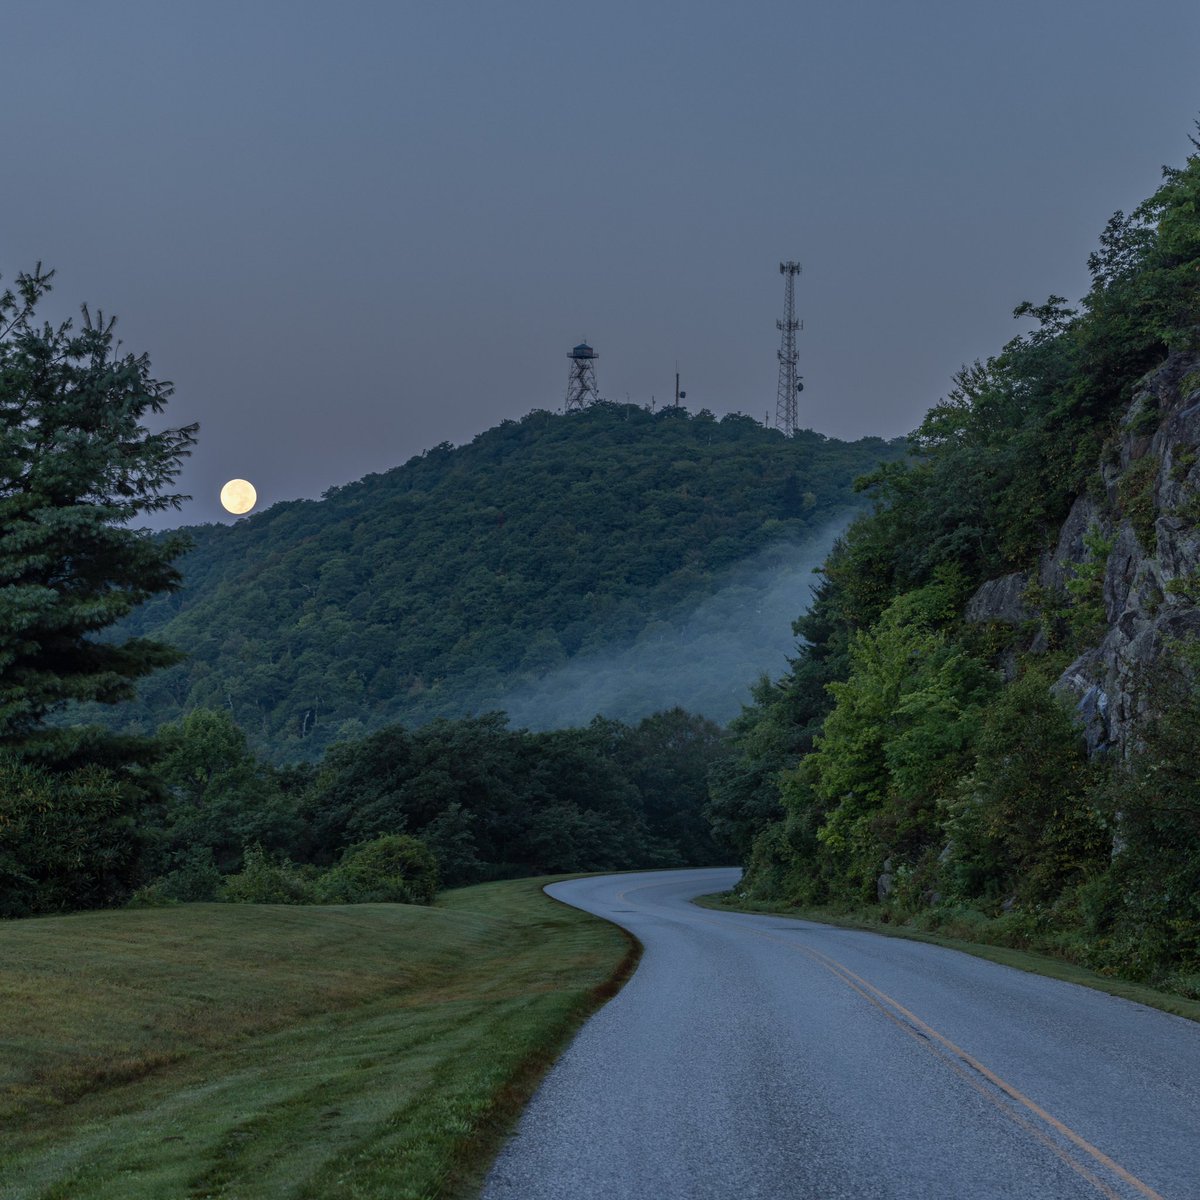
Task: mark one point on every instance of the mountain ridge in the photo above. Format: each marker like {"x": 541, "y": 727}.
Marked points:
{"x": 441, "y": 586}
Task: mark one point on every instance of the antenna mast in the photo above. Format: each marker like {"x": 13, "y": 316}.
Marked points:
{"x": 790, "y": 385}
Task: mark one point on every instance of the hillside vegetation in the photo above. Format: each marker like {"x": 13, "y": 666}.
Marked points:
{"x": 440, "y": 587}
{"x": 992, "y": 727}
{"x": 387, "y": 817}
{"x": 372, "y": 1051}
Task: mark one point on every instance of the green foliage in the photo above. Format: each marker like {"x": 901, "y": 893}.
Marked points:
{"x": 263, "y": 880}
{"x": 1086, "y": 615}
{"x": 67, "y": 840}
{"x": 1184, "y": 461}
{"x": 1145, "y": 911}
{"x": 77, "y": 464}
{"x": 1189, "y": 510}
{"x": 1186, "y": 587}
{"x": 491, "y": 802}
{"x": 897, "y": 737}
{"x": 391, "y": 869}
{"x": 1147, "y": 417}
{"x": 439, "y": 587}
{"x": 221, "y": 797}
{"x": 1135, "y": 496}
{"x": 1023, "y": 822}
{"x": 930, "y": 779}
{"x": 667, "y": 757}
{"x": 195, "y": 877}
{"x": 1005, "y": 454}
{"x": 773, "y": 734}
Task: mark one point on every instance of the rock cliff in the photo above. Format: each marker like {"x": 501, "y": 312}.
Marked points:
{"x": 1130, "y": 547}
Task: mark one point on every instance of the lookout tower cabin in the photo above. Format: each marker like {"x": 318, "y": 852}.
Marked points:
{"x": 581, "y": 382}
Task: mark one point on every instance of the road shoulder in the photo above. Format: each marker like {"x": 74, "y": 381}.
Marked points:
{"x": 1023, "y": 960}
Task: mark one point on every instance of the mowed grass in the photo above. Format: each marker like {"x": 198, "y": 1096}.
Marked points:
{"x": 217, "y": 1050}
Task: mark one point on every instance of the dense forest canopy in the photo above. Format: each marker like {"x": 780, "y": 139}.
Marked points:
{"x": 450, "y": 803}
{"x": 444, "y": 586}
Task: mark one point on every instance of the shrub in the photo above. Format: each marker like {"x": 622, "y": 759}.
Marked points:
{"x": 150, "y": 895}
{"x": 1135, "y": 495}
{"x": 392, "y": 869}
{"x": 1185, "y": 460}
{"x": 1024, "y": 823}
{"x": 1087, "y": 617}
{"x": 67, "y": 840}
{"x": 195, "y": 878}
{"x": 262, "y": 881}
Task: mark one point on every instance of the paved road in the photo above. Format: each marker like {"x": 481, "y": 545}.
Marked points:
{"x": 759, "y": 1057}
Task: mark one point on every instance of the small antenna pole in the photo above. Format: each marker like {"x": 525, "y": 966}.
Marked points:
{"x": 678, "y": 394}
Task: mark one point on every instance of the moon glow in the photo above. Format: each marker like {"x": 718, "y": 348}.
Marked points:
{"x": 238, "y": 496}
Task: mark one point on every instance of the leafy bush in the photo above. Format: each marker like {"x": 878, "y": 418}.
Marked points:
{"x": 1146, "y": 908}
{"x": 196, "y": 878}
{"x": 263, "y": 881}
{"x": 392, "y": 869}
{"x": 1086, "y": 616}
{"x": 1025, "y": 823}
{"x": 1135, "y": 495}
{"x": 67, "y": 840}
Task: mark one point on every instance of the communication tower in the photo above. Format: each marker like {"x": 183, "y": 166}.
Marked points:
{"x": 790, "y": 384}
{"x": 581, "y": 383}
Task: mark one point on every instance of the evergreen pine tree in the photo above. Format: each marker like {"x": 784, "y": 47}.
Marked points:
{"x": 77, "y": 466}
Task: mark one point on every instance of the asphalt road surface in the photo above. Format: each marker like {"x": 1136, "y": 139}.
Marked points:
{"x": 760, "y": 1057}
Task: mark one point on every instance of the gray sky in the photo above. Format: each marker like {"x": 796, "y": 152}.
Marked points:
{"x": 351, "y": 231}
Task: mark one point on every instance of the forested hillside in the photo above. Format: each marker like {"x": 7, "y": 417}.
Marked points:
{"x": 992, "y": 728}
{"x": 444, "y": 586}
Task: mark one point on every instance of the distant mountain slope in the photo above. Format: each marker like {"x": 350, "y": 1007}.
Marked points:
{"x": 443, "y": 585}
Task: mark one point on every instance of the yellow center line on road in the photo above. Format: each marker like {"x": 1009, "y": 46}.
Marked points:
{"x": 957, "y": 1059}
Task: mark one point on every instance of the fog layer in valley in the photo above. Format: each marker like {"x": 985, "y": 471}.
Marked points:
{"x": 705, "y": 663}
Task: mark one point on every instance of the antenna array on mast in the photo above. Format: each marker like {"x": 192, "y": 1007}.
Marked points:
{"x": 790, "y": 385}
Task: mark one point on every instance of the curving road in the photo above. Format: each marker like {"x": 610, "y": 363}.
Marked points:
{"x": 761, "y": 1057}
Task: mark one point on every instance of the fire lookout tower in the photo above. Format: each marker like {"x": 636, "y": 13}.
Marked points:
{"x": 581, "y": 383}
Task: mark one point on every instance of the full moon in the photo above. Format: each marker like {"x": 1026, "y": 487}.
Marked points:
{"x": 238, "y": 496}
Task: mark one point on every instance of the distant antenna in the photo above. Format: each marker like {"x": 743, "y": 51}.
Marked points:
{"x": 678, "y": 394}
{"x": 581, "y": 383}
{"x": 790, "y": 384}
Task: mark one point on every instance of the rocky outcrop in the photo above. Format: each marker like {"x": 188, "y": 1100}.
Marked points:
{"x": 1059, "y": 565}
{"x": 1001, "y": 600}
{"x": 1148, "y": 510}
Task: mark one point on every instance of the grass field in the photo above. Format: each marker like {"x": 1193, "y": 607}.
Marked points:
{"x": 1049, "y": 965}
{"x": 258, "y": 1052}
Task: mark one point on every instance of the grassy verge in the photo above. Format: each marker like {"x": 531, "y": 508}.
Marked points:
{"x": 263, "y": 1052}
{"x": 1024, "y": 960}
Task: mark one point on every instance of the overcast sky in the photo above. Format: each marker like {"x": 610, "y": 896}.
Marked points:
{"x": 351, "y": 231}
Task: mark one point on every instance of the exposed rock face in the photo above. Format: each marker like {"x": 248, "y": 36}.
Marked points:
{"x": 1151, "y": 592}
{"x": 1059, "y": 565}
{"x": 1002, "y": 600}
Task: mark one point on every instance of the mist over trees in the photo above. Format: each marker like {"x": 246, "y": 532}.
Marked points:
{"x": 706, "y": 658}
{"x": 459, "y": 581}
